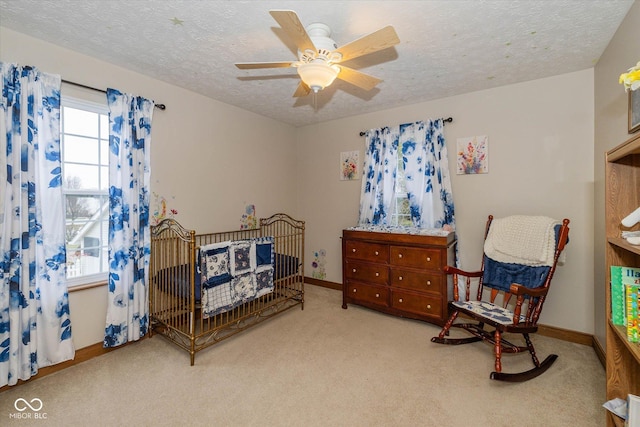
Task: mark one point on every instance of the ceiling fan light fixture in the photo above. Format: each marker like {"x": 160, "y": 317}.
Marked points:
{"x": 318, "y": 75}
{"x": 319, "y": 54}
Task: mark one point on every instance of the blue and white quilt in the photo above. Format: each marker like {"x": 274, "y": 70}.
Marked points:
{"x": 235, "y": 272}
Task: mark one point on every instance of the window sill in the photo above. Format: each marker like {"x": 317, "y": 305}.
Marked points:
{"x": 86, "y": 286}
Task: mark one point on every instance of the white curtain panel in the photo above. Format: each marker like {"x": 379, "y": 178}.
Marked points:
{"x": 129, "y": 235}
{"x": 35, "y": 327}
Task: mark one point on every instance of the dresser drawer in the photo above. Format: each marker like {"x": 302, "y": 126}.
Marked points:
{"x": 418, "y": 280}
{"x": 357, "y": 292}
{"x": 415, "y": 303}
{"x": 365, "y": 272}
{"x": 367, "y": 251}
{"x": 423, "y": 258}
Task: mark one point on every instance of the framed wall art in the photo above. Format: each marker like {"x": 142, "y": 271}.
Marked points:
{"x": 473, "y": 155}
{"x": 349, "y": 165}
{"x": 634, "y": 110}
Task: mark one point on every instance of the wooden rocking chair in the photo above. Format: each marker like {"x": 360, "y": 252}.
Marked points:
{"x": 529, "y": 283}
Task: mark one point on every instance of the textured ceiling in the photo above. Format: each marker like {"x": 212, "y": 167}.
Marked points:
{"x": 447, "y": 47}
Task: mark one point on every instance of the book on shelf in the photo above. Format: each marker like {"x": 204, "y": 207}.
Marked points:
{"x": 622, "y": 281}
{"x": 633, "y": 410}
{"x": 618, "y": 316}
{"x": 632, "y": 298}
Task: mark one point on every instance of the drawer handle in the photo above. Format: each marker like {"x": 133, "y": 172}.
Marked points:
{"x": 353, "y": 250}
{"x": 377, "y": 295}
{"x": 399, "y": 299}
{"x": 354, "y": 270}
{"x": 428, "y": 259}
{"x": 428, "y": 282}
{"x": 399, "y": 255}
{"x": 354, "y": 291}
{"x": 377, "y": 252}
{"x": 428, "y": 306}
{"x": 400, "y": 278}
{"x": 377, "y": 274}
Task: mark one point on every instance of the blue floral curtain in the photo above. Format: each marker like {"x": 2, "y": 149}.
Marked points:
{"x": 129, "y": 235}
{"x": 426, "y": 171}
{"x": 35, "y": 328}
{"x": 379, "y": 176}
{"x": 426, "y": 175}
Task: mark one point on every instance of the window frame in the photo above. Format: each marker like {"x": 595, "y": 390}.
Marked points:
{"x": 101, "y": 109}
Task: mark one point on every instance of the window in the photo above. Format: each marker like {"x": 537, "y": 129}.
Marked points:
{"x": 401, "y": 215}
{"x": 84, "y": 139}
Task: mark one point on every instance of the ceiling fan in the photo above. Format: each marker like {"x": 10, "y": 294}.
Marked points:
{"x": 319, "y": 55}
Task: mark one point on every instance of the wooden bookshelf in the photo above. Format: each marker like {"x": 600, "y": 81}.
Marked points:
{"x": 622, "y": 196}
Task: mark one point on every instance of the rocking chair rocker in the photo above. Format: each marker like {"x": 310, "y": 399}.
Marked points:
{"x": 520, "y": 257}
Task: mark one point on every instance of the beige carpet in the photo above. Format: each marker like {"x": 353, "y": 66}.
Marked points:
{"x": 323, "y": 366}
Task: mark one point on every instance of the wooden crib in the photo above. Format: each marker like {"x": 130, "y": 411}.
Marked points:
{"x": 175, "y": 307}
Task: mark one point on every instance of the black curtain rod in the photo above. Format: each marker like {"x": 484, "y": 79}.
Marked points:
{"x": 160, "y": 106}
{"x": 447, "y": 120}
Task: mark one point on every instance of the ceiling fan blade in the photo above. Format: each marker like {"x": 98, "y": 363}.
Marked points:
{"x": 302, "y": 90}
{"x": 255, "y": 65}
{"x": 378, "y": 40}
{"x": 356, "y": 78}
{"x": 290, "y": 23}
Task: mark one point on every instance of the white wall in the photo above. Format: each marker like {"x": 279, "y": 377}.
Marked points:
{"x": 611, "y": 127}
{"x": 540, "y": 138}
{"x": 206, "y": 161}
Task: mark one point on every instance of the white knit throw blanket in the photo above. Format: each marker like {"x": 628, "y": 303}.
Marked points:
{"x": 521, "y": 239}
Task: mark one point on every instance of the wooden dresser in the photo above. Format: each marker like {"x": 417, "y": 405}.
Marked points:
{"x": 398, "y": 274}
